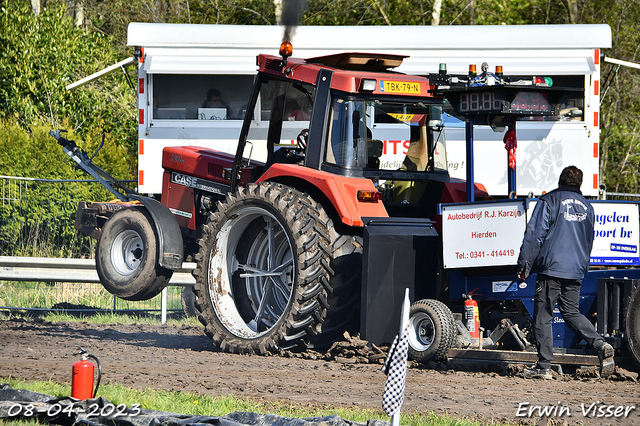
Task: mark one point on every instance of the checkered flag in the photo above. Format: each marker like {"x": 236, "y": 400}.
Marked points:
{"x": 395, "y": 367}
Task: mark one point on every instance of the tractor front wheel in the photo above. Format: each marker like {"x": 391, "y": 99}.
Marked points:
{"x": 127, "y": 256}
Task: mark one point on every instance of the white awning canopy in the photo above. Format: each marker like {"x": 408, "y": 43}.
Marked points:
{"x": 180, "y": 64}
{"x": 548, "y": 63}
{"x": 520, "y": 49}
{"x": 232, "y": 49}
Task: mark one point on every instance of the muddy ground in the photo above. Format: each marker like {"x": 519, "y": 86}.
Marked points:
{"x": 182, "y": 358}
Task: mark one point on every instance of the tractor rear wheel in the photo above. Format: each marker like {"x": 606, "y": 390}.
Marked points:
{"x": 127, "y": 256}
{"x": 264, "y": 275}
{"x": 188, "y": 299}
{"x": 432, "y": 330}
{"x": 633, "y": 324}
{"x": 343, "y": 295}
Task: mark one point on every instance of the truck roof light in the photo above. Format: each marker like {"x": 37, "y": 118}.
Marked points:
{"x": 369, "y": 196}
{"x": 367, "y": 85}
{"x": 286, "y": 49}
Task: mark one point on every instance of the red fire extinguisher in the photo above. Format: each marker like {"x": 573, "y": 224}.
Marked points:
{"x": 472, "y": 316}
{"x": 82, "y": 377}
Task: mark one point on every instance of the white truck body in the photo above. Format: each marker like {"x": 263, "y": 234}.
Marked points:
{"x": 181, "y": 62}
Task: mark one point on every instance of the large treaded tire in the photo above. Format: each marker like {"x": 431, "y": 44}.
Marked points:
{"x": 233, "y": 266}
{"x": 633, "y": 324}
{"x": 343, "y": 296}
{"x": 432, "y": 330}
{"x": 127, "y": 256}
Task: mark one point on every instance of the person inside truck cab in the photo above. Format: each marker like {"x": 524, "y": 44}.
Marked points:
{"x": 214, "y": 100}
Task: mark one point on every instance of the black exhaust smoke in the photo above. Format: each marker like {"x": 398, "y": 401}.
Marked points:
{"x": 291, "y": 14}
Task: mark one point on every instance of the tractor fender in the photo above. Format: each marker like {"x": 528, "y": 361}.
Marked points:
{"x": 341, "y": 191}
{"x": 170, "y": 244}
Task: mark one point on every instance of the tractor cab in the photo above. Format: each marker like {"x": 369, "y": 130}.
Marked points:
{"x": 350, "y": 115}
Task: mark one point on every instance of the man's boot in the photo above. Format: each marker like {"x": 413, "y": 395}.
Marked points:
{"x": 607, "y": 365}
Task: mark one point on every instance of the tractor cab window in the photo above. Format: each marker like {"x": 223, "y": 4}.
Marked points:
{"x": 285, "y": 111}
{"x": 399, "y": 145}
{"x": 395, "y": 136}
{"x": 286, "y": 101}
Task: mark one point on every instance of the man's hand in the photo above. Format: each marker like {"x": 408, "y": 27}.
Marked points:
{"x": 522, "y": 274}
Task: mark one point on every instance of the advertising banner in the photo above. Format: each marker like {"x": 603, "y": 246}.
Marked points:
{"x": 616, "y": 234}
{"x": 485, "y": 234}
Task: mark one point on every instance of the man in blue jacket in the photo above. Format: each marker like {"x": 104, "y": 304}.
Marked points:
{"x": 557, "y": 246}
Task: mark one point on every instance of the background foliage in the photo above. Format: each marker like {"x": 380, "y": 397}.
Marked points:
{"x": 47, "y": 44}
{"x": 40, "y": 55}
{"x": 36, "y": 217}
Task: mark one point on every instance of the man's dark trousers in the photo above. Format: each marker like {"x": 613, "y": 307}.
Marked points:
{"x": 566, "y": 293}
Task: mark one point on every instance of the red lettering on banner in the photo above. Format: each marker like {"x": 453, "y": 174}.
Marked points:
{"x": 395, "y": 146}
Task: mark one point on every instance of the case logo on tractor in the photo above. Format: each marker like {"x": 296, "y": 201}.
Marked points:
{"x": 193, "y": 182}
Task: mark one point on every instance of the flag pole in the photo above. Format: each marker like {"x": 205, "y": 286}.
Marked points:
{"x": 404, "y": 322}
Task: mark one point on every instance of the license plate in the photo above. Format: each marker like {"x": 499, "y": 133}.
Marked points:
{"x": 399, "y": 87}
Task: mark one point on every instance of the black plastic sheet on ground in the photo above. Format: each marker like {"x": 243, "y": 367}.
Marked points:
{"x": 18, "y": 404}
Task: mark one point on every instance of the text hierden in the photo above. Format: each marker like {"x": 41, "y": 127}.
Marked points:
{"x": 486, "y": 234}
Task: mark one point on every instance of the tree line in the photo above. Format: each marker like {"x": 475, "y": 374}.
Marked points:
{"x": 47, "y": 44}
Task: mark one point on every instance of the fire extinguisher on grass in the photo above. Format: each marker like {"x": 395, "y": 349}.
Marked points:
{"x": 471, "y": 316}
{"x": 82, "y": 376}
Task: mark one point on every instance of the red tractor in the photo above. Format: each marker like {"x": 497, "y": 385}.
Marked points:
{"x": 330, "y": 208}
{"x": 277, "y": 230}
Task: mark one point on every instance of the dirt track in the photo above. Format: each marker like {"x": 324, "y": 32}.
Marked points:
{"x": 182, "y": 358}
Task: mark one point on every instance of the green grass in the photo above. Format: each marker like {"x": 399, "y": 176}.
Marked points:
{"x": 112, "y": 318}
{"x": 46, "y": 295}
{"x": 116, "y": 318}
{"x": 193, "y": 404}
{"x": 190, "y": 403}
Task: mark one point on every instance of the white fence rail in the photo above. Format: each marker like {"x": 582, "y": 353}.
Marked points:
{"x": 36, "y": 219}
{"x": 43, "y": 269}
{"x": 14, "y": 268}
